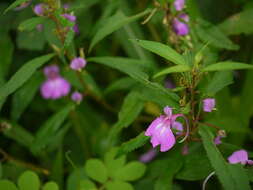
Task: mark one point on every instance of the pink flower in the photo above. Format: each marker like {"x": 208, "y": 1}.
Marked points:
{"x": 240, "y": 156}
{"x": 179, "y": 4}
{"x": 160, "y": 130}
{"x": 78, "y": 63}
{"x": 208, "y": 104}
{"x": 77, "y": 97}
{"x": 180, "y": 27}
{"x": 71, "y": 18}
{"x": 55, "y": 86}
{"x": 39, "y": 9}
{"x": 221, "y": 134}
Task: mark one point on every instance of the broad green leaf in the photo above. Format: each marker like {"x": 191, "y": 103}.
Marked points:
{"x": 96, "y": 170}
{"x": 114, "y": 23}
{"x": 228, "y": 175}
{"x": 7, "y": 185}
{"x": 31, "y": 23}
{"x": 18, "y": 134}
{"x": 112, "y": 163}
{"x": 23, "y": 97}
{"x": 218, "y": 82}
{"x": 22, "y": 75}
{"x": 14, "y": 5}
{"x": 135, "y": 69}
{"x": 86, "y": 184}
{"x": 131, "y": 171}
{"x": 130, "y": 110}
{"x": 238, "y": 23}
{"x": 162, "y": 50}
{"x": 49, "y": 129}
{"x": 226, "y": 65}
{"x": 118, "y": 185}
{"x": 173, "y": 69}
{"x": 29, "y": 180}
{"x": 50, "y": 186}
{"x": 211, "y": 34}
{"x": 132, "y": 144}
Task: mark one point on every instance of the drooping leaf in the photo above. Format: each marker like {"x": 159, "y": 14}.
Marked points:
{"x": 14, "y": 5}
{"x": 96, "y": 170}
{"x": 29, "y": 180}
{"x": 173, "y": 69}
{"x": 49, "y": 129}
{"x": 218, "y": 82}
{"x": 22, "y": 75}
{"x": 162, "y": 50}
{"x": 227, "y": 65}
{"x": 229, "y": 175}
{"x": 114, "y": 23}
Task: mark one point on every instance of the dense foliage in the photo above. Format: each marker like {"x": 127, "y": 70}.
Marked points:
{"x": 126, "y": 94}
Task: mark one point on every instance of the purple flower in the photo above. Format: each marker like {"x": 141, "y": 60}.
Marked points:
{"x": 77, "y": 97}
{"x": 76, "y": 29}
{"x": 169, "y": 84}
{"x": 39, "y": 9}
{"x": 221, "y": 134}
{"x": 148, "y": 156}
{"x": 179, "y": 4}
{"x": 78, "y": 63}
{"x": 240, "y": 156}
{"x": 23, "y": 5}
{"x": 180, "y": 27}
{"x": 160, "y": 130}
{"x": 55, "y": 86}
{"x": 208, "y": 104}
{"x": 66, "y": 6}
{"x": 71, "y": 18}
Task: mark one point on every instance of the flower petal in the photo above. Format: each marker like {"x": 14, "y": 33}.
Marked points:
{"x": 167, "y": 139}
{"x": 158, "y": 121}
{"x": 168, "y": 111}
{"x": 240, "y": 156}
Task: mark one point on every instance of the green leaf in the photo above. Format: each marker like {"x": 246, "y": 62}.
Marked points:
{"x": 14, "y": 5}
{"x": 131, "y": 172}
{"x": 114, "y": 23}
{"x": 134, "y": 68}
{"x": 23, "y": 97}
{"x": 69, "y": 38}
{"x": 129, "y": 111}
{"x": 49, "y": 129}
{"x": 113, "y": 164}
{"x": 219, "y": 81}
{"x": 238, "y": 23}
{"x": 226, "y": 65}
{"x": 173, "y": 69}
{"x": 132, "y": 144}
{"x": 50, "y": 186}
{"x": 22, "y": 75}
{"x": 118, "y": 185}
{"x": 209, "y": 33}
{"x": 18, "y": 134}
{"x": 31, "y": 23}
{"x": 7, "y": 185}
{"x": 229, "y": 175}
{"x": 96, "y": 170}
{"x": 29, "y": 180}
{"x": 57, "y": 171}
{"x": 162, "y": 50}
{"x": 86, "y": 184}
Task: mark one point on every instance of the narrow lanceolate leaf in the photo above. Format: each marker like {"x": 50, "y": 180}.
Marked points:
{"x": 229, "y": 175}
{"x": 114, "y": 23}
{"x": 218, "y": 82}
{"x": 135, "y": 69}
{"x": 130, "y": 110}
{"x": 227, "y": 65}
{"x": 22, "y": 75}
{"x": 173, "y": 69}
{"x": 48, "y": 131}
{"x": 132, "y": 144}
{"x": 69, "y": 38}
{"x": 31, "y": 23}
{"x": 162, "y": 50}
{"x": 14, "y": 5}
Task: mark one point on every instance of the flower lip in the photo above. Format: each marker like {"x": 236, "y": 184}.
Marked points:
{"x": 208, "y": 104}
{"x": 240, "y": 156}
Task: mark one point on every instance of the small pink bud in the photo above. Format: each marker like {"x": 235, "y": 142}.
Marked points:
{"x": 77, "y": 97}
{"x": 208, "y": 104}
{"x": 78, "y": 63}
